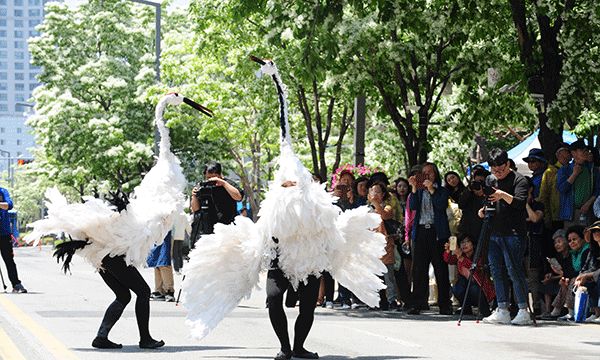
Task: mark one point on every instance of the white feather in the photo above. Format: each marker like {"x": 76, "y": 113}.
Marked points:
{"x": 313, "y": 235}
{"x": 150, "y": 214}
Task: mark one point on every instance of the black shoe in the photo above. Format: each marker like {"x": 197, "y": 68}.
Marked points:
{"x": 156, "y": 296}
{"x": 151, "y": 344}
{"x": 305, "y": 354}
{"x": 446, "y": 311}
{"x": 283, "y": 355}
{"x": 104, "y": 343}
{"x": 414, "y": 311}
{"x": 550, "y": 317}
{"x": 467, "y": 311}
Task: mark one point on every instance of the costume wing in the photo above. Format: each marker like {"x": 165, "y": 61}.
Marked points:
{"x": 357, "y": 264}
{"x": 223, "y": 269}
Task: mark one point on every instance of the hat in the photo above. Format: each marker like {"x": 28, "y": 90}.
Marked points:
{"x": 535, "y": 155}
{"x": 579, "y": 144}
{"x": 344, "y": 172}
{"x": 588, "y": 232}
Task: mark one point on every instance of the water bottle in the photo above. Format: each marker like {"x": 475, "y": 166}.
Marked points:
{"x": 582, "y": 219}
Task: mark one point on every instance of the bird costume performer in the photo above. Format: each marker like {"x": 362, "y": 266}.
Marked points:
{"x": 299, "y": 234}
{"x": 118, "y": 237}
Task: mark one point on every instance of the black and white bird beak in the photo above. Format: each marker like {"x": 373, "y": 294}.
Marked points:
{"x": 260, "y": 61}
{"x": 198, "y": 107}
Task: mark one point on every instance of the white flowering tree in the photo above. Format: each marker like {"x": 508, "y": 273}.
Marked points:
{"x": 93, "y": 132}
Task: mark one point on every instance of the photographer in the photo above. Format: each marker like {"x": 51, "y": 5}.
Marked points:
{"x": 213, "y": 201}
{"x": 470, "y": 201}
{"x": 507, "y": 237}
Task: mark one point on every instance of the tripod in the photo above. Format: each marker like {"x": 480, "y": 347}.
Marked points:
{"x": 206, "y": 227}
{"x": 482, "y": 250}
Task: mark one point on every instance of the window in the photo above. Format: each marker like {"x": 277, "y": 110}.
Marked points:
{"x": 3, "y": 44}
{"x": 31, "y": 76}
{"x": 33, "y": 33}
{"x": 19, "y": 55}
{"x": 2, "y": 33}
{"x": 19, "y": 76}
{"x": 3, "y": 54}
{"x": 19, "y": 66}
{"x": 3, "y": 86}
{"x": 3, "y": 107}
{"x": 34, "y": 23}
{"x": 33, "y": 67}
{"x": 18, "y": 34}
{"x": 2, "y": 141}
{"x": 3, "y": 12}
{"x": 34, "y": 2}
{"x": 3, "y": 97}
{"x": 19, "y": 87}
{"x": 3, "y": 65}
{"x": 3, "y": 76}
{"x": 2, "y": 130}
{"x": 18, "y": 143}
{"x": 19, "y": 97}
{"x": 18, "y": 130}
{"x": 18, "y": 2}
{"x": 34, "y": 12}
{"x": 2, "y": 22}
{"x": 18, "y": 13}
{"x": 32, "y": 86}
{"x": 19, "y": 44}
{"x": 18, "y": 23}
{"x": 2, "y": 2}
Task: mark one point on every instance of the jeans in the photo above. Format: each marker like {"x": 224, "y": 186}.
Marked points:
{"x": 501, "y": 264}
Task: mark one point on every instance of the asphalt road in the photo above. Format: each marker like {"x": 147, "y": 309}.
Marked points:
{"x": 60, "y": 316}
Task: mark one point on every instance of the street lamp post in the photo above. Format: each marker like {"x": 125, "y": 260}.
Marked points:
{"x": 157, "y": 47}
{"x": 157, "y": 33}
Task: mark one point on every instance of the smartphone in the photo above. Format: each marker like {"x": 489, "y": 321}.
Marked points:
{"x": 554, "y": 263}
{"x": 420, "y": 179}
{"x": 452, "y": 243}
{"x": 343, "y": 191}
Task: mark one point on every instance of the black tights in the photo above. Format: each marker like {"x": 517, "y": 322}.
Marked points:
{"x": 121, "y": 278}
{"x": 277, "y": 284}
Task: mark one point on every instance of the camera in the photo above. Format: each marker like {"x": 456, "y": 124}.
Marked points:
{"x": 206, "y": 184}
{"x": 208, "y": 214}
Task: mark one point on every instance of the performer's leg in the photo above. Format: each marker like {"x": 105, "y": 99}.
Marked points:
{"x": 131, "y": 278}
{"x": 277, "y": 284}
{"x": 308, "y": 299}
{"x": 114, "y": 310}
{"x": 329, "y": 286}
{"x": 6, "y": 249}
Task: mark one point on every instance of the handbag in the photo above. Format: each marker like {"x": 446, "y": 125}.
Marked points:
{"x": 394, "y": 228}
{"x": 581, "y": 299}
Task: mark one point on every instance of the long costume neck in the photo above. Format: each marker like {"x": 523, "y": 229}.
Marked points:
{"x": 165, "y": 140}
{"x": 283, "y": 110}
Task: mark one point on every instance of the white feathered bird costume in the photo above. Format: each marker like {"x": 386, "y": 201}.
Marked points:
{"x": 149, "y": 216}
{"x": 313, "y": 235}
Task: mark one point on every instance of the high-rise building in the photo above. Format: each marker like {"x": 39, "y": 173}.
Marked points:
{"x": 18, "y": 19}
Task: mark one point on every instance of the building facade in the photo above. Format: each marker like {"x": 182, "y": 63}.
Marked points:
{"x": 18, "y": 19}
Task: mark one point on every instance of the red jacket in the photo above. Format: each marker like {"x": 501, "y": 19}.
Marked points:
{"x": 464, "y": 267}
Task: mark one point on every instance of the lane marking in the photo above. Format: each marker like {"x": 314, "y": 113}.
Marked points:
{"x": 51, "y": 343}
{"x": 8, "y": 349}
{"x": 387, "y": 338}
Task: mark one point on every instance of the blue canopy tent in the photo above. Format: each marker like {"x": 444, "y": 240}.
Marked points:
{"x": 522, "y": 150}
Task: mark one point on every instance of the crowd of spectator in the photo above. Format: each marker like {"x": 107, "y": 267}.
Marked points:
{"x": 541, "y": 243}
